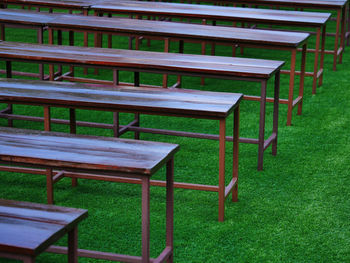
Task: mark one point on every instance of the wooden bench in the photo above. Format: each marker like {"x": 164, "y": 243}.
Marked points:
{"x": 255, "y": 70}
{"x": 195, "y": 33}
{"x": 302, "y": 20}
{"x": 163, "y": 102}
{"x": 339, "y": 6}
{"x": 28, "y": 229}
{"x": 98, "y": 159}
{"x": 307, "y": 20}
{"x": 173, "y": 32}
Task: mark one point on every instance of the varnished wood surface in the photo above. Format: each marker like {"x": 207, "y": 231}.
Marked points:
{"x": 64, "y": 151}
{"x": 157, "y": 62}
{"x": 26, "y": 17}
{"x": 64, "y": 4}
{"x": 160, "y": 101}
{"x": 319, "y": 4}
{"x": 179, "y": 30}
{"x": 279, "y": 17}
{"x": 28, "y": 228}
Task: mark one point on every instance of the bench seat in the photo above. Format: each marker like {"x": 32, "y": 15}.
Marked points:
{"x": 27, "y": 229}
{"x": 112, "y": 157}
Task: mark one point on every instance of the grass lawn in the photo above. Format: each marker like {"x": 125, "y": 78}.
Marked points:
{"x": 296, "y": 210}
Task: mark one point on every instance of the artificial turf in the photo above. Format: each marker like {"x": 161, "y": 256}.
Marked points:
{"x": 296, "y": 210}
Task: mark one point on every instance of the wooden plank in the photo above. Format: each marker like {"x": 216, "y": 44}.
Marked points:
{"x": 28, "y": 228}
{"x": 156, "y": 62}
{"x": 318, "y": 4}
{"x": 58, "y": 150}
{"x": 218, "y": 13}
{"x": 24, "y": 17}
{"x": 160, "y": 101}
{"x": 177, "y": 30}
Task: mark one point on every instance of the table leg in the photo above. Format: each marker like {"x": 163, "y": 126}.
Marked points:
{"x": 235, "y": 161}
{"x": 166, "y": 50}
{"x": 291, "y": 87}
{"x": 302, "y": 77}
{"x": 145, "y": 219}
{"x": 47, "y": 118}
{"x": 348, "y": 24}
{"x": 9, "y": 109}
{"x": 41, "y": 41}
{"x": 51, "y": 66}
{"x": 222, "y": 147}
{"x": 73, "y": 245}
{"x": 170, "y": 207}
{"x": 335, "y": 56}
{"x": 261, "y": 139}
{"x": 323, "y": 41}
{"x": 49, "y": 186}
{"x": 275, "y": 112}
{"x": 317, "y": 51}
{"x": 73, "y": 130}
{"x": 342, "y": 35}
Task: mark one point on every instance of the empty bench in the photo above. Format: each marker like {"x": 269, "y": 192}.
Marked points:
{"x": 302, "y": 20}
{"x": 27, "y": 229}
{"x": 339, "y": 6}
{"x": 254, "y": 70}
{"x": 287, "y": 41}
{"x": 139, "y": 100}
{"x": 98, "y": 159}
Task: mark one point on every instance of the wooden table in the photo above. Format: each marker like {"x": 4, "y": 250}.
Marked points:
{"x": 338, "y": 6}
{"x": 27, "y": 229}
{"x": 216, "y": 106}
{"x": 198, "y": 33}
{"x": 112, "y": 157}
{"x": 305, "y": 20}
{"x": 256, "y": 70}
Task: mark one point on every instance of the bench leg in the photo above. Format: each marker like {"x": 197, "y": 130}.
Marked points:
{"x": 166, "y": 50}
{"x": 235, "y": 153}
{"x": 336, "y": 41}
{"x": 275, "y": 112}
{"x": 73, "y": 130}
{"x": 291, "y": 87}
{"x": 261, "y": 139}
{"x": 222, "y": 149}
{"x": 317, "y": 51}
{"x": 9, "y": 109}
{"x": 323, "y": 41}
{"x": 73, "y": 245}
{"x": 145, "y": 219}
{"x": 302, "y": 78}
{"x": 170, "y": 207}
{"x": 49, "y": 186}
{"x": 342, "y": 35}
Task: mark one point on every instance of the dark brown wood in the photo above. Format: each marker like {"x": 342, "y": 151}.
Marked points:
{"x": 191, "y": 32}
{"x": 170, "y": 63}
{"x": 218, "y": 13}
{"x": 57, "y": 150}
{"x": 112, "y": 156}
{"x": 24, "y": 17}
{"x": 156, "y": 62}
{"x": 57, "y": 4}
{"x": 29, "y": 228}
{"x": 159, "y": 101}
{"x": 287, "y": 41}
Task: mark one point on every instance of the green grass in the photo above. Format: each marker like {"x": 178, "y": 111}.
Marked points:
{"x": 296, "y": 210}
